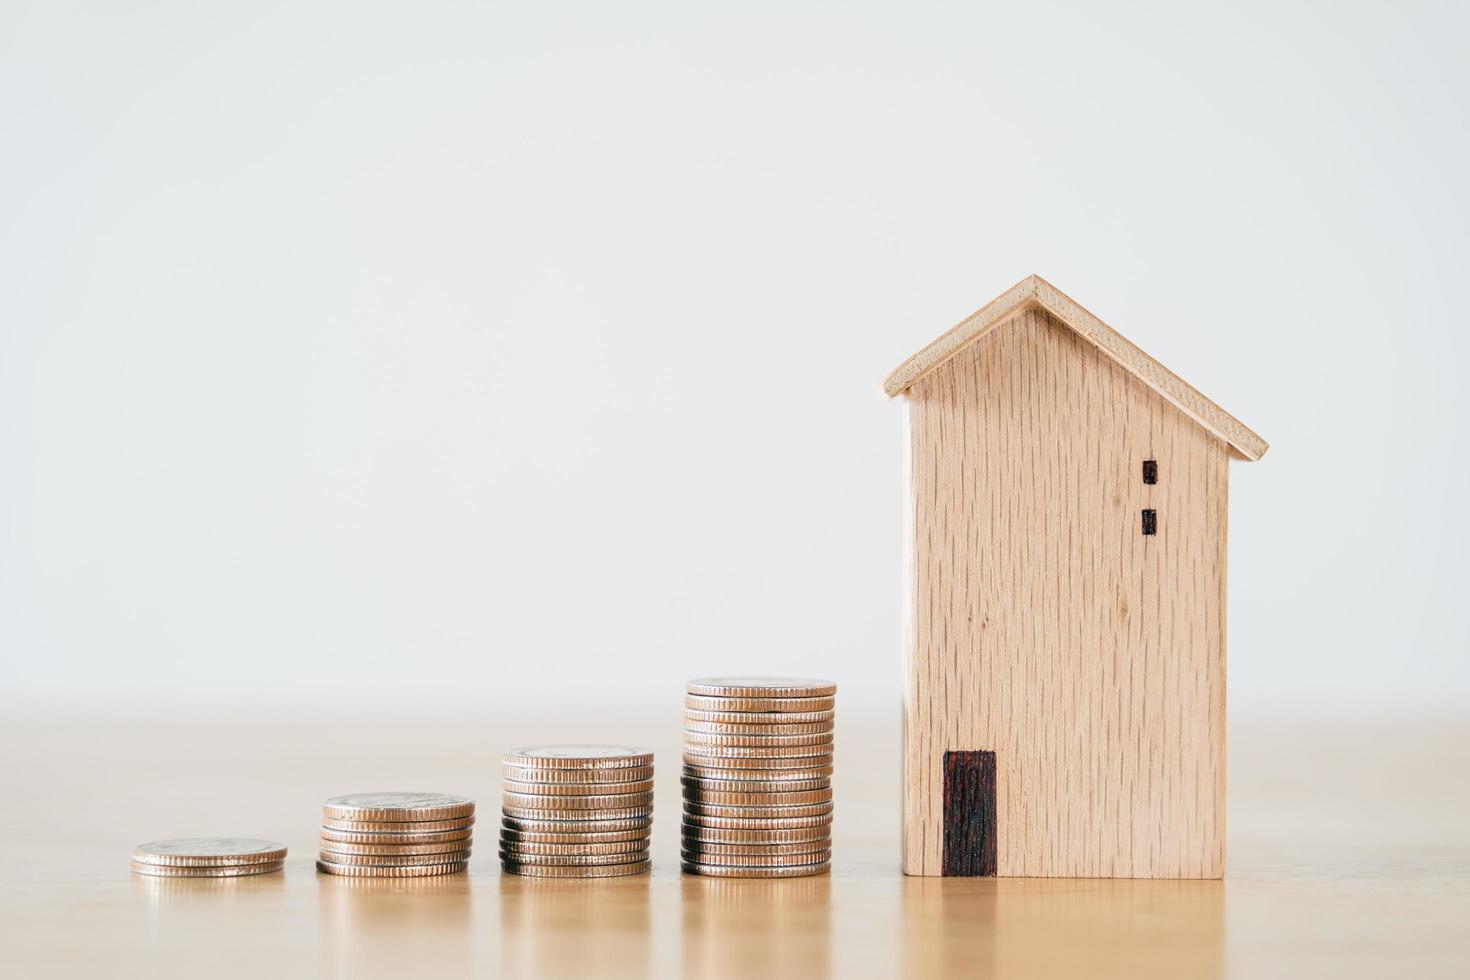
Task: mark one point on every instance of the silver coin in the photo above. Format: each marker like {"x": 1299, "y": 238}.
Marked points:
{"x": 721, "y": 871}
{"x": 692, "y": 808}
{"x": 574, "y": 871}
{"x": 761, "y": 687}
{"x": 513, "y": 846}
{"x": 754, "y": 860}
{"x": 393, "y": 860}
{"x": 696, "y": 702}
{"x": 578, "y": 757}
{"x": 399, "y": 826}
{"x": 760, "y": 717}
{"x": 747, "y": 798}
{"x": 222, "y": 871}
{"x": 755, "y": 823}
{"x": 822, "y": 845}
{"x": 531, "y": 801}
{"x": 391, "y": 850}
{"x": 749, "y": 838}
{"x": 570, "y": 860}
{"x": 398, "y": 806}
{"x": 397, "y": 839}
{"x": 543, "y": 823}
{"x": 202, "y": 852}
{"x": 366, "y": 871}
{"x": 553, "y": 790}
{"x": 723, "y": 738}
{"x": 561, "y": 777}
{"x": 784, "y": 775}
{"x": 577, "y": 816}
{"x": 693, "y": 784}
{"x": 701, "y": 751}
{"x": 738, "y": 762}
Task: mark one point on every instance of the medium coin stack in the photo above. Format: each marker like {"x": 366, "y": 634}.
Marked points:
{"x": 576, "y": 811}
{"x": 757, "y": 777}
{"x": 396, "y": 835}
{"x": 208, "y": 857}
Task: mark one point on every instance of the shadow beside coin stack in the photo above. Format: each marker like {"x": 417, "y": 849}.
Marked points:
{"x": 208, "y": 857}
{"x": 396, "y": 835}
{"x": 576, "y": 811}
{"x": 757, "y": 777}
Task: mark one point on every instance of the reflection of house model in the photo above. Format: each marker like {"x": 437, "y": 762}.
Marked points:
{"x": 1064, "y": 708}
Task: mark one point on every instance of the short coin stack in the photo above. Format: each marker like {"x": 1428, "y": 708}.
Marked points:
{"x": 396, "y": 835}
{"x": 576, "y": 811}
{"x": 757, "y": 777}
{"x": 208, "y": 857}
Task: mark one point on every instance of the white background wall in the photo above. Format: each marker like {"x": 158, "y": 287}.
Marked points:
{"x": 430, "y": 352}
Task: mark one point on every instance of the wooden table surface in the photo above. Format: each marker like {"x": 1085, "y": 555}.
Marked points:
{"x": 1348, "y": 857}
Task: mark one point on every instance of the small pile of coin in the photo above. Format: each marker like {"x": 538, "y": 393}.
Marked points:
{"x": 396, "y": 835}
{"x": 576, "y": 811}
{"x": 208, "y": 857}
{"x": 757, "y": 777}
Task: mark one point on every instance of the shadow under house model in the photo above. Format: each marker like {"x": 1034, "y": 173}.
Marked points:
{"x": 1064, "y": 704}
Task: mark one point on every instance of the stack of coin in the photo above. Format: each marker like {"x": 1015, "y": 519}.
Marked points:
{"x": 576, "y": 811}
{"x": 396, "y": 835}
{"x": 757, "y": 777}
{"x": 208, "y": 857}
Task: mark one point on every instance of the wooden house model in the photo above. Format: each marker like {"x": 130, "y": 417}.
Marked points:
{"x": 1064, "y": 705}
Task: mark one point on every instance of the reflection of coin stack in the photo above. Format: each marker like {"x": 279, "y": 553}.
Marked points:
{"x": 576, "y": 811}
{"x": 208, "y": 857}
{"x": 396, "y": 835}
{"x": 757, "y": 777}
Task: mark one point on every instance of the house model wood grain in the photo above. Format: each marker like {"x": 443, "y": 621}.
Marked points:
{"x": 1064, "y": 707}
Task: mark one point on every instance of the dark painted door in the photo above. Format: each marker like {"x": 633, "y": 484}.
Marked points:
{"x": 969, "y": 813}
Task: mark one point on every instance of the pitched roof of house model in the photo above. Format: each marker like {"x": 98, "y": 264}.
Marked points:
{"x": 1033, "y": 292}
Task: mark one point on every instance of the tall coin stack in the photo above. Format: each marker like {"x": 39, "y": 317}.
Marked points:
{"x": 757, "y": 777}
{"x": 576, "y": 811}
{"x": 396, "y": 835}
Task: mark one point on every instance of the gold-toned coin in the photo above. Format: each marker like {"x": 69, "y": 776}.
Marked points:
{"x": 538, "y": 813}
{"x": 710, "y": 738}
{"x": 511, "y": 846}
{"x": 759, "y": 717}
{"x": 622, "y": 774}
{"x": 757, "y": 775}
{"x": 223, "y": 871}
{"x": 697, "y": 703}
{"x": 759, "y": 728}
{"x": 761, "y": 687}
{"x": 394, "y": 860}
{"x": 563, "y": 790}
{"x": 508, "y": 835}
{"x": 722, "y": 871}
{"x": 399, "y": 826}
{"x": 446, "y": 847}
{"x": 397, "y": 807}
{"x": 698, "y": 794}
{"x": 747, "y": 838}
{"x": 542, "y": 824}
{"x": 574, "y": 860}
{"x": 698, "y": 751}
{"x": 397, "y": 840}
{"x": 575, "y": 871}
{"x": 735, "y": 810}
{"x": 529, "y": 801}
{"x": 755, "y": 860}
{"x": 822, "y": 845}
{"x": 207, "y": 852}
{"x": 578, "y": 757}
{"x": 367, "y": 871}
{"x": 755, "y": 823}
{"x": 754, "y": 786}
{"x": 737, "y": 762}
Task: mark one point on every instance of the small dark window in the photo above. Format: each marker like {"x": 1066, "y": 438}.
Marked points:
{"x": 1150, "y": 471}
{"x": 1150, "y": 521}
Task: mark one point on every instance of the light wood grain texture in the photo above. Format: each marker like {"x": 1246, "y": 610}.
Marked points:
{"x": 1046, "y": 627}
{"x": 1033, "y": 293}
{"x": 1348, "y": 859}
